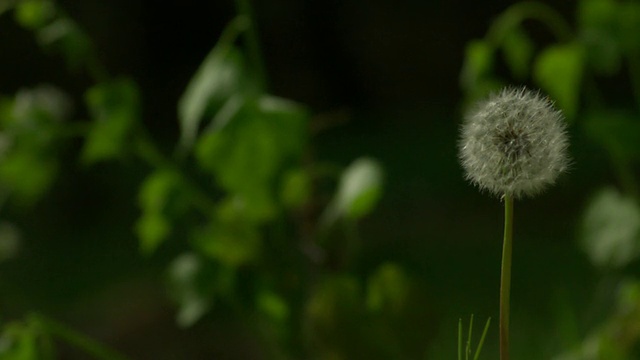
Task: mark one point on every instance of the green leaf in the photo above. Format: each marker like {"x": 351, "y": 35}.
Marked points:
{"x": 246, "y": 151}
{"x": 28, "y": 142}
{"x": 27, "y": 174}
{"x": 518, "y": 51}
{"x": 289, "y": 120}
{"x": 232, "y": 244}
{"x": 156, "y": 190}
{"x": 478, "y": 63}
{"x": 20, "y": 342}
{"x": 359, "y": 189}
{"x": 220, "y": 77}
{"x": 216, "y": 81}
{"x": 9, "y": 241}
{"x": 273, "y": 305}
{"x": 610, "y": 233}
{"x": 114, "y": 106}
{"x": 387, "y": 289}
{"x": 64, "y": 36}
{"x": 617, "y": 131}
{"x": 186, "y": 280}
{"x": 558, "y": 70}
{"x": 43, "y": 105}
{"x": 34, "y": 14}
{"x": 157, "y": 198}
{"x": 296, "y": 188}
{"x": 152, "y": 229}
{"x": 31, "y": 122}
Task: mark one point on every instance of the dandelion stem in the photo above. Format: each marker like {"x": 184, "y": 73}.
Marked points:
{"x": 505, "y": 277}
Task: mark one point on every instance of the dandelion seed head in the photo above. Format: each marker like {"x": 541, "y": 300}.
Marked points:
{"x": 514, "y": 143}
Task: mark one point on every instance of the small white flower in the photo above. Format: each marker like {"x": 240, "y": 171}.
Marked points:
{"x": 514, "y": 143}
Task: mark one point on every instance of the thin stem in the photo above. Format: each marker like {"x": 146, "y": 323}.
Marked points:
{"x": 468, "y": 351}
{"x": 459, "y": 339}
{"x": 253, "y": 44}
{"x": 88, "y": 345}
{"x": 481, "y": 343}
{"x": 505, "y": 277}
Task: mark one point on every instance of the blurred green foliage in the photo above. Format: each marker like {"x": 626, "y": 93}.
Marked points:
{"x": 256, "y": 226}
{"x": 271, "y": 232}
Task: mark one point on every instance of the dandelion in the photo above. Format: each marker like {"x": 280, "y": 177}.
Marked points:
{"x": 513, "y": 145}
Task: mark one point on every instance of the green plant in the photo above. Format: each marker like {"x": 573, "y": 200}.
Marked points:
{"x": 256, "y": 152}
{"x": 256, "y": 226}
{"x": 467, "y": 348}
{"x": 576, "y": 69}
{"x": 514, "y": 145}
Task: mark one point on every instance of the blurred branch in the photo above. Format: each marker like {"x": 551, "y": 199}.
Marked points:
{"x": 519, "y": 12}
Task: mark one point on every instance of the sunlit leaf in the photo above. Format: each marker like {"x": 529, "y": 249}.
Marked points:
{"x": 114, "y": 107}
{"x": 558, "y": 70}
{"x": 611, "y": 229}
{"x": 218, "y": 78}
{"x": 359, "y": 190}
{"x": 518, "y": 51}
{"x": 185, "y": 276}
{"x": 34, "y": 14}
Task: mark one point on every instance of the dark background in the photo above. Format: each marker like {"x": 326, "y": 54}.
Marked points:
{"x": 388, "y": 71}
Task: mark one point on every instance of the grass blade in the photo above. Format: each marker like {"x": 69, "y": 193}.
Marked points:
{"x": 459, "y": 339}
{"x": 481, "y": 343}
{"x": 468, "y": 350}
